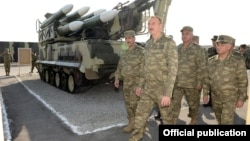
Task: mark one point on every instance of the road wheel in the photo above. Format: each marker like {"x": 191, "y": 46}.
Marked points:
{"x": 42, "y": 75}
{"x": 64, "y": 82}
{"x": 77, "y": 77}
{"x": 52, "y": 78}
{"x": 71, "y": 84}
{"x": 47, "y": 76}
{"x": 57, "y": 80}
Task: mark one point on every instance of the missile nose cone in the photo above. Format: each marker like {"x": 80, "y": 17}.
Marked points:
{"x": 67, "y": 8}
{"x": 69, "y": 28}
{"x": 83, "y": 10}
{"x": 76, "y": 25}
{"x": 97, "y": 12}
{"x": 108, "y": 15}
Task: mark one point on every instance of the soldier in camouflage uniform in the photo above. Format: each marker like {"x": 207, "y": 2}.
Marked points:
{"x": 196, "y": 39}
{"x": 192, "y": 70}
{"x": 211, "y": 52}
{"x": 33, "y": 61}
{"x": 228, "y": 81}
{"x": 246, "y": 54}
{"x": 7, "y": 61}
{"x": 157, "y": 81}
{"x": 128, "y": 70}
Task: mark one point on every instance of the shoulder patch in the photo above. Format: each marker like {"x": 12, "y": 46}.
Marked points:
{"x": 212, "y": 58}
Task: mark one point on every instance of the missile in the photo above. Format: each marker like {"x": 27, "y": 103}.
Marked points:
{"x": 101, "y": 18}
{"x": 97, "y": 12}
{"x": 77, "y": 14}
{"x": 97, "y": 20}
{"x": 145, "y": 6}
{"x": 136, "y": 3}
{"x": 69, "y": 28}
{"x": 56, "y": 16}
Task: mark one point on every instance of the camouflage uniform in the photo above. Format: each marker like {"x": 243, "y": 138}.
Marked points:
{"x": 33, "y": 61}
{"x": 191, "y": 73}
{"x": 246, "y": 54}
{"x": 128, "y": 70}
{"x": 211, "y": 52}
{"x": 7, "y": 60}
{"x": 160, "y": 69}
{"x": 228, "y": 81}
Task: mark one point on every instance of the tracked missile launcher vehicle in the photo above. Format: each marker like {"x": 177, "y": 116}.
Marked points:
{"x": 79, "y": 49}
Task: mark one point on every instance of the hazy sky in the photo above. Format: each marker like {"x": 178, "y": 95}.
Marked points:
{"x": 207, "y": 17}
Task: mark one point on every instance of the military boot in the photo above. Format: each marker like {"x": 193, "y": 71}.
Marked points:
{"x": 193, "y": 121}
{"x": 130, "y": 126}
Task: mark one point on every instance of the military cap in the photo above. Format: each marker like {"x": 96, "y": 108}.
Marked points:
{"x": 170, "y": 36}
{"x": 243, "y": 46}
{"x": 225, "y": 39}
{"x": 196, "y": 37}
{"x": 129, "y": 33}
{"x": 188, "y": 28}
{"x": 214, "y": 38}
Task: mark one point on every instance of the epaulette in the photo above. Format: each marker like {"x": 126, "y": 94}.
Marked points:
{"x": 237, "y": 55}
{"x": 197, "y": 45}
{"x": 180, "y": 45}
{"x": 169, "y": 37}
{"x": 212, "y": 58}
{"x": 142, "y": 44}
{"x": 140, "y": 47}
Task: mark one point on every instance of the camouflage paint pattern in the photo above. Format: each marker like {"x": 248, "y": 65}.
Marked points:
{"x": 157, "y": 80}
{"x": 128, "y": 70}
{"x": 228, "y": 81}
{"x": 160, "y": 65}
{"x": 92, "y": 49}
{"x": 191, "y": 73}
{"x": 193, "y": 99}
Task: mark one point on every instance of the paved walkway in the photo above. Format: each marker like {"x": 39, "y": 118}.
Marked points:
{"x": 206, "y": 114}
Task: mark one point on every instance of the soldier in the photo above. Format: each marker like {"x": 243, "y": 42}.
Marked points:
{"x": 211, "y": 52}
{"x": 196, "y": 39}
{"x": 33, "y": 61}
{"x": 7, "y": 61}
{"x": 227, "y": 79}
{"x": 192, "y": 70}
{"x": 157, "y": 81}
{"x": 128, "y": 70}
{"x": 245, "y": 53}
